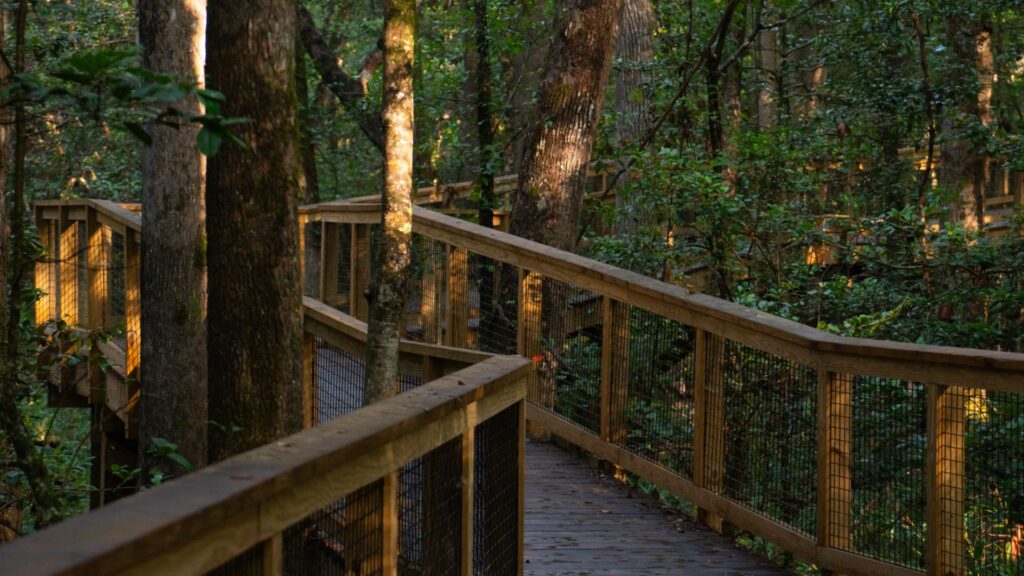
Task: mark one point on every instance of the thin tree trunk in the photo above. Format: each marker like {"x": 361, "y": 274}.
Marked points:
{"x": 173, "y": 367}
{"x": 393, "y": 252}
{"x": 765, "y": 93}
{"x": 635, "y": 51}
{"x": 255, "y": 323}
{"x": 311, "y": 180}
{"x": 22, "y": 440}
{"x": 553, "y": 172}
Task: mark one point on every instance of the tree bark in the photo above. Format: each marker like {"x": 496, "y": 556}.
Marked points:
{"x": 255, "y": 322}
{"x": 393, "y": 254}
{"x": 310, "y": 178}
{"x": 635, "y": 51}
{"x": 553, "y": 171}
{"x": 173, "y": 367}
{"x": 766, "y": 93}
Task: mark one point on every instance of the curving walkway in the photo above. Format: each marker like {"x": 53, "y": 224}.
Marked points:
{"x": 580, "y": 524}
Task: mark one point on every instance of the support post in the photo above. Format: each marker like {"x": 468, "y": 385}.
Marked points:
{"x": 96, "y": 270}
{"x": 835, "y": 434}
{"x": 614, "y": 369}
{"x": 709, "y": 422}
{"x": 456, "y": 332}
{"x": 529, "y": 338}
{"x": 359, "y": 271}
{"x": 521, "y": 485}
{"x": 466, "y": 495}
{"x": 310, "y": 404}
{"x": 46, "y": 271}
{"x": 273, "y": 556}
{"x": 68, "y": 268}
{"x": 390, "y": 528}
{"x": 133, "y": 303}
{"x": 945, "y": 480}
{"x": 330, "y": 255}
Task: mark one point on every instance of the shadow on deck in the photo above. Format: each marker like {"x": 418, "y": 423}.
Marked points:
{"x": 581, "y": 524}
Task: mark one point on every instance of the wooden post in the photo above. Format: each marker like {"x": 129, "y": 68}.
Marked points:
{"x": 945, "y": 480}
{"x": 359, "y": 271}
{"x": 330, "y": 256}
{"x": 1018, "y": 188}
{"x": 68, "y": 268}
{"x": 521, "y": 485}
{"x": 303, "y": 220}
{"x": 96, "y": 270}
{"x": 390, "y": 529}
{"x": 529, "y": 337}
{"x": 431, "y": 288}
{"x": 709, "y": 422}
{"x": 456, "y": 331}
{"x": 310, "y": 404}
{"x": 273, "y": 555}
{"x": 467, "y": 488}
{"x": 614, "y": 369}
{"x": 46, "y": 271}
{"x": 133, "y": 303}
{"x": 835, "y": 435}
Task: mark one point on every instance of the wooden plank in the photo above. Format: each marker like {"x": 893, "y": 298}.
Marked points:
{"x": 529, "y": 336}
{"x": 201, "y": 520}
{"x": 709, "y": 422}
{"x": 466, "y": 496}
{"x": 390, "y": 528}
{"x": 273, "y": 556}
{"x": 46, "y": 273}
{"x": 614, "y": 370}
{"x": 521, "y": 485}
{"x": 835, "y": 442}
{"x": 133, "y": 303}
{"x": 310, "y": 407}
{"x": 68, "y": 255}
{"x": 330, "y": 258}
{"x": 945, "y": 480}
{"x": 456, "y": 329}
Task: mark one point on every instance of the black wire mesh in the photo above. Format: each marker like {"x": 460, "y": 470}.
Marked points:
{"x": 340, "y": 379}
{"x": 311, "y": 257}
{"x": 770, "y": 419}
{"x": 994, "y": 483}
{"x": 115, "y": 282}
{"x": 82, "y": 264}
{"x": 344, "y": 538}
{"x": 46, "y": 273}
{"x": 651, "y": 393}
{"x": 430, "y": 511}
{"x": 887, "y": 467}
{"x": 425, "y": 303}
{"x": 69, "y": 273}
{"x": 496, "y": 495}
{"x": 497, "y": 317}
{"x": 248, "y": 563}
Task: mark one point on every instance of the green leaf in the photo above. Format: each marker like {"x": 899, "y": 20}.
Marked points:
{"x": 208, "y": 141}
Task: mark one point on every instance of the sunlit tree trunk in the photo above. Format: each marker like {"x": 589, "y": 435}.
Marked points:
{"x": 635, "y": 51}
{"x": 255, "y": 320}
{"x": 173, "y": 367}
{"x": 553, "y": 171}
{"x": 393, "y": 251}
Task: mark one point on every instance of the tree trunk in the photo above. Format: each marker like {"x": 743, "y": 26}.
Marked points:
{"x": 524, "y": 74}
{"x": 393, "y": 251}
{"x": 635, "y": 51}
{"x": 173, "y": 405}
{"x": 310, "y": 179}
{"x": 255, "y": 323}
{"x": 766, "y": 94}
{"x": 553, "y": 173}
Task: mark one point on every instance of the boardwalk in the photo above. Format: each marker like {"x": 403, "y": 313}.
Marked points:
{"x": 578, "y": 524}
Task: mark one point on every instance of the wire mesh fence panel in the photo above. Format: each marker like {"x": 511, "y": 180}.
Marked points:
{"x": 82, "y": 284}
{"x": 994, "y": 483}
{"x": 46, "y": 273}
{"x": 562, "y": 327}
{"x": 650, "y": 405}
{"x": 769, "y": 456}
{"x": 430, "y": 512}
{"x": 887, "y": 470}
{"x": 496, "y": 320}
{"x": 248, "y": 563}
{"x": 496, "y": 495}
{"x": 340, "y": 381}
{"x": 345, "y": 538}
{"x": 311, "y": 270}
{"x": 68, "y": 269}
{"x": 115, "y": 282}
{"x": 424, "y": 305}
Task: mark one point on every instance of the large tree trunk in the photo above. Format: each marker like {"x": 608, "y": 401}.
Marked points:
{"x": 255, "y": 323}
{"x": 553, "y": 172}
{"x": 173, "y": 367}
{"x": 393, "y": 253}
{"x": 766, "y": 106}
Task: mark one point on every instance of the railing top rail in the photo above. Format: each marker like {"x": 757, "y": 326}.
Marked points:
{"x": 113, "y": 210}
{"x": 810, "y": 346}
{"x": 112, "y": 539}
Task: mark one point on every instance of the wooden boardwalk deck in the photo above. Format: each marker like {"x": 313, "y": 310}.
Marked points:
{"x": 580, "y": 524}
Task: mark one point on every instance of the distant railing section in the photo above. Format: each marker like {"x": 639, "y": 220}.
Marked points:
{"x": 861, "y": 456}
{"x": 427, "y": 482}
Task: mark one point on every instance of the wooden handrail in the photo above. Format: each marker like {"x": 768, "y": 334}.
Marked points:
{"x": 198, "y": 522}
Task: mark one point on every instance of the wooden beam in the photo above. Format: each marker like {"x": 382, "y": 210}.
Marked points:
{"x": 310, "y": 396}
{"x": 709, "y": 422}
{"x": 97, "y": 254}
{"x": 390, "y": 528}
{"x": 614, "y": 369}
{"x": 466, "y": 495}
{"x": 273, "y": 555}
{"x": 68, "y": 254}
{"x": 133, "y": 303}
{"x": 835, "y": 443}
{"x": 945, "y": 480}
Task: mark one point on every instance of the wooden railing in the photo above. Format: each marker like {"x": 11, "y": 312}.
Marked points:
{"x": 429, "y": 481}
{"x": 861, "y": 456}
